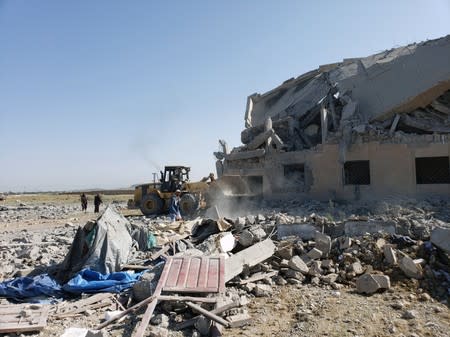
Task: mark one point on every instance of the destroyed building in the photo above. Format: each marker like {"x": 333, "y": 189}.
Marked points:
{"x": 364, "y": 128}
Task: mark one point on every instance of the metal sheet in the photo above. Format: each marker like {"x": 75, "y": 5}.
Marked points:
{"x": 195, "y": 274}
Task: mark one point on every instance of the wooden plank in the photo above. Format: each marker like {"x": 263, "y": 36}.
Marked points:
{"x": 160, "y": 252}
{"x": 134, "y": 267}
{"x": 126, "y": 312}
{"x": 208, "y": 314}
{"x": 217, "y": 311}
{"x": 74, "y": 306}
{"x": 187, "y": 298}
{"x": 36, "y": 321}
{"x": 151, "y": 307}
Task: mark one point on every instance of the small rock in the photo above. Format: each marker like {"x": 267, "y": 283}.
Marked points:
{"x": 424, "y": 297}
{"x": 262, "y": 290}
{"x": 410, "y": 268}
{"x": 298, "y": 264}
{"x": 409, "y": 314}
{"x": 314, "y": 254}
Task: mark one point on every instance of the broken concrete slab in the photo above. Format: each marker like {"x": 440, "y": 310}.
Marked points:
{"x": 410, "y": 267}
{"x": 383, "y": 280}
{"x": 440, "y": 237}
{"x": 357, "y": 268}
{"x": 260, "y": 139}
{"x": 239, "y": 320}
{"x": 246, "y": 238}
{"x": 304, "y": 231}
{"x": 251, "y": 256}
{"x": 359, "y": 228}
{"x": 245, "y": 154}
{"x": 262, "y": 290}
{"x": 323, "y": 243}
{"x": 314, "y": 254}
{"x": 390, "y": 255}
{"x": 370, "y": 283}
{"x": 296, "y": 263}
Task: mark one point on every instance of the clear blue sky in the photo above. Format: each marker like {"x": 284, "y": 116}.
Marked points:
{"x": 103, "y": 93}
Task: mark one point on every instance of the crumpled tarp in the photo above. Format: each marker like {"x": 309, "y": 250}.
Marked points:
{"x": 89, "y": 281}
{"x": 28, "y": 287}
{"x": 104, "y": 250}
{"x": 86, "y": 281}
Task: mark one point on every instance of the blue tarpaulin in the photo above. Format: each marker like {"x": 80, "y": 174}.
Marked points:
{"x": 27, "y": 287}
{"x": 86, "y": 281}
{"x": 89, "y": 281}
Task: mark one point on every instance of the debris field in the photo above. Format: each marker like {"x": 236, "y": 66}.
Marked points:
{"x": 275, "y": 268}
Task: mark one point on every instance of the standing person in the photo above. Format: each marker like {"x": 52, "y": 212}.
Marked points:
{"x": 174, "y": 207}
{"x": 83, "y": 202}
{"x": 97, "y": 202}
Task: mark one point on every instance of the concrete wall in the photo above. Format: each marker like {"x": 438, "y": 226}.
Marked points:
{"x": 392, "y": 172}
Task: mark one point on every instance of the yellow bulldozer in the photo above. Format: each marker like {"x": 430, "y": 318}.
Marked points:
{"x": 154, "y": 198}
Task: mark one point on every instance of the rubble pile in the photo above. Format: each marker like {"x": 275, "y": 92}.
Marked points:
{"x": 328, "y": 246}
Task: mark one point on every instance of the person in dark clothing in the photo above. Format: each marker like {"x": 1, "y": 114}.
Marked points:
{"x": 174, "y": 207}
{"x": 83, "y": 202}
{"x": 97, "y": 202}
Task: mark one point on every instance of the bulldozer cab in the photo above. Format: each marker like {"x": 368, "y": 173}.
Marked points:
{"x": 173, "y": 178}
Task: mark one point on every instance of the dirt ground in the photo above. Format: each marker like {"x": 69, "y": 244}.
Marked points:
{"x": 291, "y": 310}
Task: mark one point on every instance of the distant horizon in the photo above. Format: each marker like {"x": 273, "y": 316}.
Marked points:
{"x": 105, "y": 93}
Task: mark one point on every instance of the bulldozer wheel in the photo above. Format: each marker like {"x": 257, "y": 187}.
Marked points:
{"x": 151, "y": 204}
{"x": 188, "y": 204}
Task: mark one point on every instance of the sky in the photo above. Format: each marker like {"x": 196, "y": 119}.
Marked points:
{"x": 101, "y": 94}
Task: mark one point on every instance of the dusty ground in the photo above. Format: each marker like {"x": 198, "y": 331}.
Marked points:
{"x": 291, "y": 310}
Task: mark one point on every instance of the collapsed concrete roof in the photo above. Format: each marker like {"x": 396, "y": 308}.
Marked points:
{"x": 375, "y": 87}
{"x": 379, "y": 124}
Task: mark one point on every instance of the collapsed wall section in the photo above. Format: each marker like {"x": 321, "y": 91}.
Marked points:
{"x": 369, "y": 127}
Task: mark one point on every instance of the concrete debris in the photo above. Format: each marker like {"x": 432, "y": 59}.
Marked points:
{"x": 314, "y": 254}
{"x": 298, "y": 264}
{"x": 345, "y": 110}
{"x": 370, "y": 284}
{"x": 359, "y": 228}
{"x": 248, "y": 257}
{"x": 390, "y": 255}
{"x": 316, "y": 250}
{"x": 410, "y": 267}
{"x": 440, "y": 237}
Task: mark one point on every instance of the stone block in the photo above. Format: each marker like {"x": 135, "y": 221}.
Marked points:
{"x": 314, "y": 254}
{"x": 345, "y": 242}
{"x": 258, "y": 232}
{"x": 251, "y": 219}
{"x": 357, "y": 268}
{"x": 330, "y": 278}
{"x": 440, "y": 237}
{"x": 246, "y": 238}
{"x": 262, "y": 290}
{"x": 390, "y": 255}
{"x": 240, "y": 223}
{"x": 239, "y": 320}
{"x": 293, "y": 274}
{"x": 304, "y": 231}
{"x": 359, "y": 228}
{"x": 323, "y": 243}
{"x": 410, "y": 268}
{"x": 383, "y": 280}
{"x": 367, "y": 284}
{"x": 286, "y": 252}
{"x": 296, "y": 263}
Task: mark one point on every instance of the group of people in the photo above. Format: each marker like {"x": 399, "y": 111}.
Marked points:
{"x": 97, "y": 201}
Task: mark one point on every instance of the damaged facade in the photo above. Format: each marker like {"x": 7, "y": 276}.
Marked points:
{"x": 372, "y": 127}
